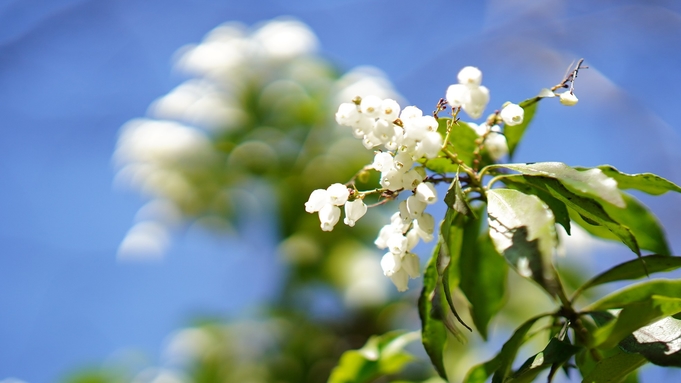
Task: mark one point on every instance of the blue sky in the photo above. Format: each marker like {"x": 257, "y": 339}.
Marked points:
{"x": 72, "y": 72}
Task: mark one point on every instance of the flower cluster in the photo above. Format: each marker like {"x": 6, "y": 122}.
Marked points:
{"x": 468, "y": 93}
{"x": 403, "y": 137}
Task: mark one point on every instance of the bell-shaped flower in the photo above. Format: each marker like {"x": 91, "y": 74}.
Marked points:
{"x": 400, "y": 279}
{"x": 426, "y": 223}
{"x": 329, "y": 216}
{"x": 477, "y": 101}
{"x": 371, "y": 106}
{"x": 512, "y": 114}
{"x": 317, "y": 200}
{"x": 391, "y": 263}
{"x": 426, "y": 192}
{"x": 430, "y": 146}
{"x": 496, "y": 145}
{"x": 392, "y": 180}
{"x": 338, "y": 194}
{"x": 568, "y": 99}
{"x": 411, "y": 179}
{"x": 410, "y": 112}
{"x": 457, "y": 95}
{"x": 470, "y": 75}
{"x": 347, "y": 114}
{"x": 354, "y": 210}
{"x": 383, "y": 162}
{"x": 390, "y": 110}
{"x": 411, "y": 264}
{"x": 397, "y": 243}
{"x": 415, "y": 206}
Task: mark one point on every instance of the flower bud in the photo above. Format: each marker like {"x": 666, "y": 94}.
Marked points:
{"x": 410, "y": 264}
{"x": 329, "y": 216}
{"x": 425, "y": 192}
{"x": 371, "y": 106}
{"x": 568, "y": 99}
{"x": 317, "y": 200}
{"x": 512, "y": 114}
{"x": 390, "y": 263}
{"x": 470, "y": 75}
{"x": 338, "y": 194}
{"x": 354, "y": 210}
{"x": 400, "y": 279}
{"x": 390, "y": 110}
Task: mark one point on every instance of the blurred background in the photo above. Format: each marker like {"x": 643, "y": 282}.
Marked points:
{"x": 101, "y": 263}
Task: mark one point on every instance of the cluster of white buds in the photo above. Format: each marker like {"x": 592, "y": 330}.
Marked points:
{"x": 468, "y": 93}
{"x": 326, "y": 203}
{"x": 407, "y": 226}
{"x": 403, "y": 137}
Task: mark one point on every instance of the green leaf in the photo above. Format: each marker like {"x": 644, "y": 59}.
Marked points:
{"x": 556, "y": 354}
{"x": 637, "y": 293}
{"x": 522, "y": 228}
{"x": 638, "y": 219}
{"x": 614, "y": 368}
{"x": 505, "y": 358}
{"x": 591, "y": 183}
{"x": 433, "y": 331}
{"x": 381, "y": 355}
{"x": 560, "y": 211}
{"x": 462, "y": 138}
{"x": 515, "y": 133}
{"x": 452, "y": 236}
{"x": 483, "y": 276}
{"x": 455, "y": 197}
{"x": 634, "y": 316}
{"x": 633, "y": 269}
{"x": 586, "y": 208}
{"x": 645, "y": 182}
{"x": 659, "y": 342}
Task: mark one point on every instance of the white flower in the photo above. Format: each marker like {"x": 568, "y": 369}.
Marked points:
{"x": 425, "y": 192}
{"x": 410, "y": 264}
{"x": 317, "y": 200}
{"x": 470, "y": 75}
{"x": 512, "y": 114}
{"x": 329, "y": 216}
{"x": 568, "y": 99}
{"x": 403, "y": 162}
{"x": 347, "y": 114}
{"x": 411, "y": 179}
{"x": 457, "y": 95}
{"x": 430, "y": 146}
{"x": 390, "y": 110}
{"x": 496, "y": 145}
{"x": 383, "y": 162}
{"x": 390, "y": 263}
{"x": 477, "y": 101}
{"x": 371, "y": 106}
{"x": 392, "y": 180}
{"x": 400, "y": 279}
{"x": 415, "y": 206}
{"x": 397, "y": 243}
{"x": 338, "y": 194}
{"x": 426, "y": 223}
{"x": 410, "y": 112}
{"x": 354, "y": 210}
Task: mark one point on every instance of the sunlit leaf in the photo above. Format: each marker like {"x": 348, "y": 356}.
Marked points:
{"x": 556, "y": 353}
{"x": 587, "y": 183}
{"x": 560, "y": 211}
{"x": 522, "y": 230}
{"x": 634, "y": 269}
{"x": 586, "y": 208}
{"x": 638, "y": 219}
{"x": 381, "y": 355}
{"x": 637, "y": 293}
{"x": 645, "y": 182}
{"x": 634, "y": 316}
{"x": 462, "y": 138}
{"x": 659, "y": 342}
{"x": 515, "y": 133}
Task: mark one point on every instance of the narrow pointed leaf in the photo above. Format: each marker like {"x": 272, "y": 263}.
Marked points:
{"x": 505, "y": 358}
{"x": 637, "y": 293}
{"x": 634, "y": 269}
{"x": 645, "y": 182}
{"x": 433, "y": 331}
{"x": 515, "y": 133}
{"x": 483, "y": 276}
{"x": 522, "y": 230}
{"x": 556, "y": 353}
